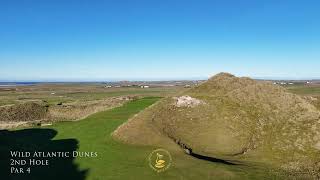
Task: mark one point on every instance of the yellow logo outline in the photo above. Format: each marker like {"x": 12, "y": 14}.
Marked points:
{"x": 162, "y": 161}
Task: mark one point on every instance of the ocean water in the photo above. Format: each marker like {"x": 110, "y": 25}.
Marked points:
{"x": 12, "y": 84}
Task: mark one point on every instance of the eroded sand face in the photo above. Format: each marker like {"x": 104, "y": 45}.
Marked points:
{"x": 187, "y": 101}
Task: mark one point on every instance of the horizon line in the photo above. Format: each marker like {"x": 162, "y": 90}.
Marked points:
{"x": 66, "y": 80}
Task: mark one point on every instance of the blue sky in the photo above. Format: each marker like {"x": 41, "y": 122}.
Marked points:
{"x": 158, "y": 39}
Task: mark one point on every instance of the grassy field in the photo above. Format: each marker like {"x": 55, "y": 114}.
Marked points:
{"x": 115, "y": 160}
{"x": 67, "y": 93}
{"x": 305, "y": 90}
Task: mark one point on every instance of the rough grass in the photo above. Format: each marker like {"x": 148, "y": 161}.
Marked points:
{"x": 79, "y": 110}
{"x": 241, "y": 121}
{"x": 121, "y": 161}
{"x": 23, "y": 112}
{"x": 312, "y": 93}
{"x": 305, "y": 89}
{"x": 71, "y": 93}
{"x": 30, "y": 113}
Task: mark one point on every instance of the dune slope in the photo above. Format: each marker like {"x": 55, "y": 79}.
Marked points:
{"x": 234, "y": 119}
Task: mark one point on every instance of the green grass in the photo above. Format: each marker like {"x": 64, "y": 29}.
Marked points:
{"x": 80, "y": 94}
{"x": 304, "y": 90}
{"x": 114, "y": 159}
{"x": 120, "y": 161}
{"x": 100, "y": 95}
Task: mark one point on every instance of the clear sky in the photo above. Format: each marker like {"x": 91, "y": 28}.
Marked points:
{"x": 158, "y": 39}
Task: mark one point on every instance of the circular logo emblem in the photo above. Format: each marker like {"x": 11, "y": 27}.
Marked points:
{"x": 160, "y": 160}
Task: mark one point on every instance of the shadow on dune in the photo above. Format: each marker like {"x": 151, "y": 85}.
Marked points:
{"x": 212, "y": 159}
{"x": 40, "y": 140}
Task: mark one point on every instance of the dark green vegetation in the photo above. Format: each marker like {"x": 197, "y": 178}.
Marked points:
{"x": 41, "y": 140}
{"x": 115, "y": 160}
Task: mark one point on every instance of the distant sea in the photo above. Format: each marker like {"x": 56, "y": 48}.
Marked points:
{"x": 12, "y": 84}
